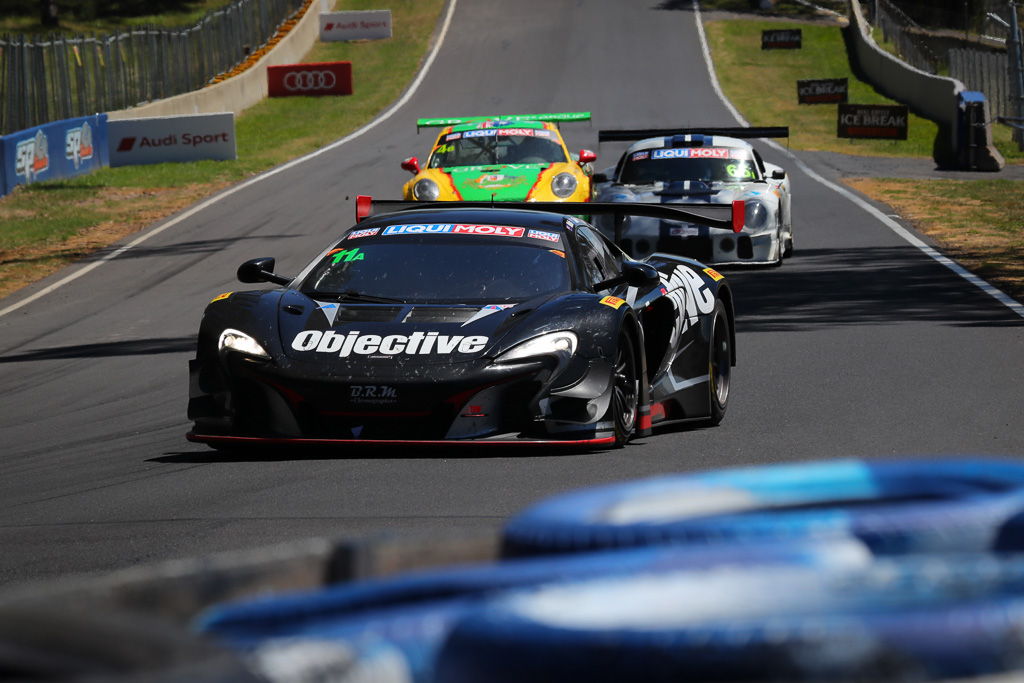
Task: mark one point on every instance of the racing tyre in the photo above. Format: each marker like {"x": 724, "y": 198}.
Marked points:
{"x": 909, "y": 620}
{"x": 895, "y": 507}
{"x": 411, "y": 615}
{"x": 719, "y": 364}
{"x": 624, "y": 406}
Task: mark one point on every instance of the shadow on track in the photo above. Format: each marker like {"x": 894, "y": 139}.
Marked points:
{"x": 367, "y": 452}
{"x": 134, "y": 347}
{"x": 823, "y": 288}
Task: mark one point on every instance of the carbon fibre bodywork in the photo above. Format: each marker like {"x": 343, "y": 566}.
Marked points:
{"x": 550, "y": 360}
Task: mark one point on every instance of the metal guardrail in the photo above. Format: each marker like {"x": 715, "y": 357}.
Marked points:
{"x": 63, "y": 77}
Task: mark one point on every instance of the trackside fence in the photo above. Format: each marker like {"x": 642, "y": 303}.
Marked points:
{"x": 63, "y": 77}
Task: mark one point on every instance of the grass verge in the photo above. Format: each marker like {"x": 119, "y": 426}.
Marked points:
{"x": 980, "y": 223}
{"x": 48, "y": 225}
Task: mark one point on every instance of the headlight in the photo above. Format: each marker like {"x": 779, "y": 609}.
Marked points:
{"x": 756, "y": 215}
{"x": 426, "y": 190}
{"x": 551, "y": 344}
{"x": 563, "y": 184}
{"x": 233, "y": 340}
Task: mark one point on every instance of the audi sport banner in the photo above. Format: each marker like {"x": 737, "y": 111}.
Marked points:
{"x": 360, "y": 25}
{"x": 53, "y": 150}
{"x": 320, "y": 78}
{"x": 786, "y": 39}
{"x": 159, "y": 139}
{"x": 883, "y": 121}
{"x": 824, "y": 91}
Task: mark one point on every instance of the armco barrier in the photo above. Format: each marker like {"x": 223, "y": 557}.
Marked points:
{"x": 934, "y": 97}
{"x": 61, "y": 149}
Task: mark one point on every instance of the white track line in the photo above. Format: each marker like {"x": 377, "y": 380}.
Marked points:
{"x": 252, "y": 181}
{"x": 910, "y": 237}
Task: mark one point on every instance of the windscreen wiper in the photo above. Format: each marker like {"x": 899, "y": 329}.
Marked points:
{"x": 352, "y": 295}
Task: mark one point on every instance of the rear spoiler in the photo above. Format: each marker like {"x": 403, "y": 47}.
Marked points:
{"x": 367, "y": 206}
{"x": 563, "y": 117}
{"x": 641, "y": 133}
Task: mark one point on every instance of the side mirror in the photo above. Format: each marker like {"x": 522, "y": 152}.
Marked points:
{"x": 412, "y": 165}
{"x": 778, "y": 174}
{"x": 260, "y": 270}
{"x": 587, "y": 157}
{"x": 640, "y": 274}
{"x": 634, "y": 274}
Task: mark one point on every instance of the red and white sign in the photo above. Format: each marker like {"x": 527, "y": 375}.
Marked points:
{"x": 172, "y": 138}
{"x": 315, "y": 79}
{"x": 372, "y": 24}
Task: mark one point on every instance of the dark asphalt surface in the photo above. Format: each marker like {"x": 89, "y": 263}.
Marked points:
{"x": 860, "y": 346}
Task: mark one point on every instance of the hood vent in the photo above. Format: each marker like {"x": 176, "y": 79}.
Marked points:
{"x": 367, "y": 314}
{"x": 440, "y": 314}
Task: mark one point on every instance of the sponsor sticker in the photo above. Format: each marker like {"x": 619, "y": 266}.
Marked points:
{"x": 684, "y": 231}
{"x": 32, "y": 156}
{"x": 368, "y": 232}
{"x": 692, "y": 153}
{"x": 613, "y": 301}
{"x": 78, "y": 144}
{"x": 346, "y": 255}
{"x": 372, "y": 393}
{"x": 416, "y": 343}
{"x": 454, "y": 229}
{"x": 220, "y": 297}
{"x": 452, "y": 136}
{"x": 542, "y": 235}
{"x": 714, "y": 274}
{"x": 640, "y": 156}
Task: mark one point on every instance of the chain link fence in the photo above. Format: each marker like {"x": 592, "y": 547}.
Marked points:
{"x": 62, "y": 77}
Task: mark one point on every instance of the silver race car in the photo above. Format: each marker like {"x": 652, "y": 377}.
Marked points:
{"x": 699, "y": 166}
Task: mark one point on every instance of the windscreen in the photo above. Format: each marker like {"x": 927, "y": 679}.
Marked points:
{"x": 489, "y": 146}
{"x": 436, "y": 264}
{"x": 709, "y": 164}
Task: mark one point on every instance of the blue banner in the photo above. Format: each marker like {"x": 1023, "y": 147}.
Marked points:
{"x": 61, "y": 149}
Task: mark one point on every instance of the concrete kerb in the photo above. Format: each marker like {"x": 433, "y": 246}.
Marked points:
{"x": 238, "y": 92}
{"x": 935, "y": 97}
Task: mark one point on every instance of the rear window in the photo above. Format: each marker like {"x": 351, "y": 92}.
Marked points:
{"x": 442, "y": 263}
{"x": 490, "y": 146}
{"x": 715, "y": 164}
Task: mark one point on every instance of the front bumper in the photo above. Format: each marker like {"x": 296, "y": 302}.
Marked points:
{"x": 712, "y": 246}
{"x": 234, "y": 399}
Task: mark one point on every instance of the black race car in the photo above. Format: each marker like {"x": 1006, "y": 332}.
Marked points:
{"x": 467, "y": 324}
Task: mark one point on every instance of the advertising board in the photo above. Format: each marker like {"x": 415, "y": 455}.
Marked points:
{"x": 877, "y": 121}
{"x": 785, "y": 39}
{"x": 61, "y": 149}
{"x": 313, "y": 79}
{"x": 822, "y": 91}
{"x": 372, "y": 24}
{"x": 161, "y": 139}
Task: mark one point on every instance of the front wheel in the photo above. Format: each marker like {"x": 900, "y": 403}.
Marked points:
{"x": 625, "y": 391}
{"x": 719, "y": 363}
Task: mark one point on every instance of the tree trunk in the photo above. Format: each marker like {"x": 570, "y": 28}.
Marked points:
{"x": 48, "y": 13}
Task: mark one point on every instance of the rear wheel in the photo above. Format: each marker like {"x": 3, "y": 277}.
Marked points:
{"x": 625, "y": 391}
{"x": 719, "y": 363}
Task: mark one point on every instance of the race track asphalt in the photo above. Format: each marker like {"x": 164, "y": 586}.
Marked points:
{"x": 860, "y": 346}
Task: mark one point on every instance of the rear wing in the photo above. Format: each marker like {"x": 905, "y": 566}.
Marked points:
{"x": 743, "y": 133}
{"x": 564, "y": 117}
{"x": 733, "y": 220}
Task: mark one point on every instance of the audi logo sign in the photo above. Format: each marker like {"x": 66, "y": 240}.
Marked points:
{"x": 321, "y": 78}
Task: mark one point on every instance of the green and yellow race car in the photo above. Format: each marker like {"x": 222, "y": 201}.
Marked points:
{"x": 501, "y": 158}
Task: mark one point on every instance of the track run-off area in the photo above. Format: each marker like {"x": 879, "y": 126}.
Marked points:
{"x": 863, "y": 344}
